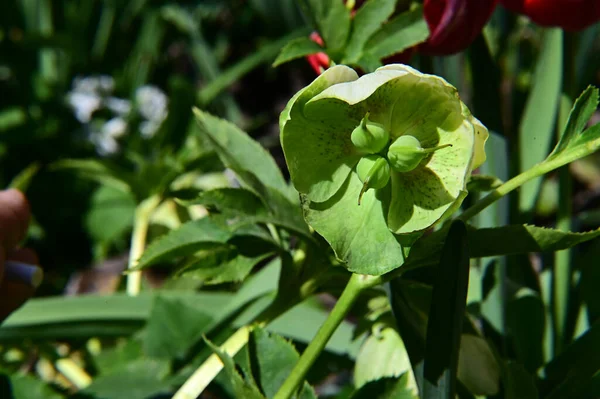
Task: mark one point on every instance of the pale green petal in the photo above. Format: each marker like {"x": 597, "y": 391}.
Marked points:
{"x": 481, "y": 136}
{"x": 358, "y": 234}
{"x": 317, "y": 146}
{"x": 422, "y": 196}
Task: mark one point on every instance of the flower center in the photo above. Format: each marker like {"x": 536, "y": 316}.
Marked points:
{"x": 374, "y": 168}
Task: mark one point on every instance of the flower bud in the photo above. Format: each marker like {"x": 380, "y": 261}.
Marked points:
{"x": 369, "y": 136}
{"x": 406, "y": 153}
{"x": 374, "y": 172}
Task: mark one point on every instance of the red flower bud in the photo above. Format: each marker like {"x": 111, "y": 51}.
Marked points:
{"x": 570, "y": 15}
{"x": 454, "y": 24}
{"x": 318, "y": 61}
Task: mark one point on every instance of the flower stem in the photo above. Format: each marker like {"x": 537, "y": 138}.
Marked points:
{"x": 143, "y": 213}
{"x": 355, "y": 286}
{"x": 538, "y": 170}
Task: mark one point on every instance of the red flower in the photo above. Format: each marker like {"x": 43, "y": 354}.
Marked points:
{"x": 570, "y": 15}
{"x": 318, "y": 61}
{"x": 454, "y": 24}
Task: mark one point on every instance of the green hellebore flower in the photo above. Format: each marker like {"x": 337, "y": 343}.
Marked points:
{"x": 316, "y": 136}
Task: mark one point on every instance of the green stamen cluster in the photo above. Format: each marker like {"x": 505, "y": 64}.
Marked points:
{"x": 403, "y": 155}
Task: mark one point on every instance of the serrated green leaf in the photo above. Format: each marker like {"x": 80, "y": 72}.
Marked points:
{"x": 243, "y": 155}
{"x": 235, "y": 269}
{"x": 505, "y": 240}
{"x": 173, "y": 327}
{"x": 404, "y": 31}
{"x": 536, "y": 130}
{"x": 367, "y": 20}
{"x": 140, "y": 379}
{"x": 185, "y": 240}
{"x": 332, "y": 20}
{"x": 243, "y": 387}
{"x": 273, "y": 358}
{"x": 582, "y": 111}
{"x": 446, "y": 316}
{"x": 386, "y": 388}
{"x": 297, "y": 48}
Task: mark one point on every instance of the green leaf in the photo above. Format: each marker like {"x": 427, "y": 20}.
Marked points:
{"x": 111, "y": 213}
{"x": 536, "y": 130}
{"x": 27, "y": 387}
{"x": 173, "y": 327}
{"x": 480, "y": 183}
{"x": 518, "y": 383}
{"x": 382, "y": 355}
{"x": 185, "y": 240}
{"x": 230, "y": 200}
{"x": 386, "y": 388}
{"x": 332, "y": 20}
{"x": 233, "y": 74}
{"x": 273, "y": 359}
{"x": 91, "y": 315}
{"x": 478, "y": 370}
{"x": 526, "y": 321}
{"x": 242, "y": 154}
{"x": 22, "y": 181}
{"x": 233, "y": 269}
{"x": 446, "y": 316}
{"x": 243, "y": 386}
{"x": 402, "y": 32}
{"x": 582, "y": 111}
{"x": 140, "y": 379}
{"x": 569, "y": 374}
{"x": 118, "y": 356}
{"x": 505, "y": 240}
{"x": 367, "y": 20}
{"x": 297, "y": 48}
{"x": 99, "y": 171}
{"x": 361, "y": 229}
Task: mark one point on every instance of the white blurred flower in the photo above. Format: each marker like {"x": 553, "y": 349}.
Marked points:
{"x": 94, "y": 84}
{"x": 115, "y": 128}
{"x": 152, "y": 103}
{"x": 148, "y": 129}
{"x": 105, "y": 145}
{"x": 84, "y": 105}
{"x": 118, "y": 105}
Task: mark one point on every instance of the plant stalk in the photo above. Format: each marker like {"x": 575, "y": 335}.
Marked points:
{"x": 143, "y": 213}
{"x": 355, "y": 286}
{"x": 540, "y": 169}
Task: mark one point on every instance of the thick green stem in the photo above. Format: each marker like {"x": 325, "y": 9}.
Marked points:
{"x": 517, "y": 181}
{"x": 356, "y": 285}
{"x": 143, "y": 213}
